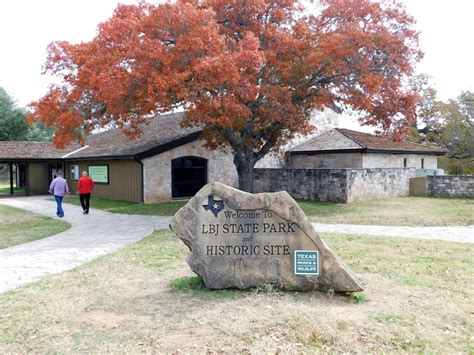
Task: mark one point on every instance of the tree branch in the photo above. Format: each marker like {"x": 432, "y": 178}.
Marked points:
{"x": 274, "y": 134}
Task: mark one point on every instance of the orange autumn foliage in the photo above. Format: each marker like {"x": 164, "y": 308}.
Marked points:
{"x": 248, "y": 71}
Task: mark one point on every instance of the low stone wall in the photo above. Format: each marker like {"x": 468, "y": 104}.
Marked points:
{"x": 450, "y": 186}
{"x": 335, "y": 185}
{"x": 307, "y": 184}
{"x": 369, "y": 184}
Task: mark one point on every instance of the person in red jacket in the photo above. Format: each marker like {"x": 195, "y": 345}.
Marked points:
{"x": 84, "y": 189}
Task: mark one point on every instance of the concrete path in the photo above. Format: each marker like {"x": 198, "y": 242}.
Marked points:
{"x": 90, "y": 236}
{"x": 450, "y": 234}
{"x": 101, "y": 233}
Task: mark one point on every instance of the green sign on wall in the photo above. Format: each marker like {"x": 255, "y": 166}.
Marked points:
{"x": 99, "y": 173}
{"x": 306, "y": 262}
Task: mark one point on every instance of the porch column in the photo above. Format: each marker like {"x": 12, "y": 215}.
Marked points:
{"x": 27, "y": 179}
{"x": 11, "y": 178}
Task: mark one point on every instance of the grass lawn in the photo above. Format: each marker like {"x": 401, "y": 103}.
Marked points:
{"x": 19, "y": 226}
{"x": 163, "y": 209}
{"x": 396, "y": 211}
{"x": 6, "y": 191}
{"x": 5, "y": 187}
{"x": 418, "y": 298}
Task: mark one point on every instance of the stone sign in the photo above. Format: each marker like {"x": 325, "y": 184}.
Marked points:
{"x": 242, "y": 240}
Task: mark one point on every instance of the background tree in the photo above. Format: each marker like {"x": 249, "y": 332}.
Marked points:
{"x": 249, "y": 72}
{"x": 458, "y": 135}
{"x": 12, "y": 119}
{"x": 430, "y": 112}
{"x": 446, "y": 124}
{"x": 39, "y": 132}
{"x": 13, "y": 125}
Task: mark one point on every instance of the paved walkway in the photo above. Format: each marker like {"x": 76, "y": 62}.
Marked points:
{"x": 101, "y": 233}
{"x": 90, "y": 236}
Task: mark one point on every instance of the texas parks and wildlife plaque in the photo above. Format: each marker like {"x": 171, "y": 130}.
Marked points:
{"x": 242, "y": 240}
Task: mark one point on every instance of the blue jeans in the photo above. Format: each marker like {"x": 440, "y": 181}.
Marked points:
{"x": 59, "y": 203}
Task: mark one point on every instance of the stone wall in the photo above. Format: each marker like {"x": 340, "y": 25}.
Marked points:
{"x": 325, "y": 161}
{"x": 308, "y": 184}
{"x": 335, "y": 185}
{"x": 361, "y": 161}
{"x": 157, "y": 169}
{"x": 450, "y": 186}
{"x": 377, "y": 160}
{"x": 369, "y": 184}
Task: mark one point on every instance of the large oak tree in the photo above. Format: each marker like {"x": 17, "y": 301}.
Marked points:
{"x": 248, "y": 71}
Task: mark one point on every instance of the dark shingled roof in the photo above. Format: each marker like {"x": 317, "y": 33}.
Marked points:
{"x": 340, "y": 140}
{"x": 162, "y": 131}
{"x": 161, "y": 134}
{"x": 19, "y": 150}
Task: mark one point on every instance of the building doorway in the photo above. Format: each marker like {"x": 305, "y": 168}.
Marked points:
{"x": 188, "y": 176}
{"x": 54, "y": 168}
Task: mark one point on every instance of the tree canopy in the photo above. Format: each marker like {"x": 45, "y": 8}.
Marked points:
{"x": 249, "y": 71}
{"x": 13, "y": 124}
{"x": 447, "y": 124}
{"x": 12, "y": 119}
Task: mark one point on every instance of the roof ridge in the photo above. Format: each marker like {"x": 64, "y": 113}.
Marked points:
{"x": 340, "y": 130}
{"x": 385, "y": 137}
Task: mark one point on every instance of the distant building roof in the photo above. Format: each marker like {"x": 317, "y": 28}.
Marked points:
{"x": 340, "y": 140}
{"x": 21, "y": 150}
{"x": 161, "y": 134}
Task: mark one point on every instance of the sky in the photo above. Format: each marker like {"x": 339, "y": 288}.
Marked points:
{"x": 28, "y": 26}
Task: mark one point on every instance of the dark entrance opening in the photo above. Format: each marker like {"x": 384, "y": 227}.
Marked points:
{"x": 54, "y": 168}
{"x": 14, "y": 179}
{"x": 188, "y": 176}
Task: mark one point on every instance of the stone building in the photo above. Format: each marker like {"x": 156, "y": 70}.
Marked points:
{"x": 346, "y": 149}
{"x": 170, "y": 162}
{"x": 342, "y": 165}
{"x": 166, "y": 162}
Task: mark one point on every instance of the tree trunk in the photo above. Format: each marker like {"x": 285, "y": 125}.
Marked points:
{"x": 244, "y": 162}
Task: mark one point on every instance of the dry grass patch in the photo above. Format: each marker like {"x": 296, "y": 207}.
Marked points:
{"x": 418, "y": 298}
{"x": 394, "y": 211}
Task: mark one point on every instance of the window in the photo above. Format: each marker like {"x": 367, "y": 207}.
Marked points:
{"x": 99, "y": 173}
{"x": 74, "y": 172}
{"x": 404, "y": 162}
{"x": 422, "y": 163}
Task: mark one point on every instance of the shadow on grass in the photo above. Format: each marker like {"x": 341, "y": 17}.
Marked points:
{"x": 195, "y": 286}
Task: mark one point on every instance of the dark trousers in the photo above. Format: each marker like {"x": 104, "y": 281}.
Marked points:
{"x": 85, "y": 198}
